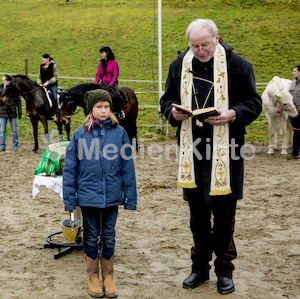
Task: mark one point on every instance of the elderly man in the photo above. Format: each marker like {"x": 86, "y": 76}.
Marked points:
{"x": 211, "y": 164}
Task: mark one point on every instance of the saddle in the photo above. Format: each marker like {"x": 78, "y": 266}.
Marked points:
{"x": 119, "y": 99}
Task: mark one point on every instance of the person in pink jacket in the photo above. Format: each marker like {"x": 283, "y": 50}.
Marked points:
{"x": 108, "y": 68}
{"x": 108, "y": 72}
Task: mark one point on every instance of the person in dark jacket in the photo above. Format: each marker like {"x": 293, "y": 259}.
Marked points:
{"x": 295, "y": 92}
{"x": 48, "y": 78}
{"x": 99, "y": 176}
{"x": 10, "y": 110}
{"x": 211, "y": 164}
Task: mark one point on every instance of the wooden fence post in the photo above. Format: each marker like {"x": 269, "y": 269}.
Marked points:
{"x": 26, "y": 67}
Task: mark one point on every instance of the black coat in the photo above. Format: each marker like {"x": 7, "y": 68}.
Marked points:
{"x": 14, "y": 107}
{"x": 243, "y": 98}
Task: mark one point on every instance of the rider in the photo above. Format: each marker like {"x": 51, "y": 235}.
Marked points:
{"x": 108, "y": 72}
{"x": 47, "y": 77}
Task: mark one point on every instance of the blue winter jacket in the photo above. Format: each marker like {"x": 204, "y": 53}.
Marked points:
{"x": 99, "y": 170}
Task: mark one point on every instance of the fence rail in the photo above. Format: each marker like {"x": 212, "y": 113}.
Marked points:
{"x": 258, "y": 85}
{"x": 158, "y": 124}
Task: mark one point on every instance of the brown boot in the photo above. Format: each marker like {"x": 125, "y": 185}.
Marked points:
{"x": 92, "y": 270}
{"x": 107, "y": 269}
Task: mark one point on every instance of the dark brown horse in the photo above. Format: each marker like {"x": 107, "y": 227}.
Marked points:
{"x": 74, "y": 96}
{"x": 37, "y": 103}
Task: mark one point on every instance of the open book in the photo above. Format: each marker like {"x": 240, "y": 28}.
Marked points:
{"x": 200, "y": 114}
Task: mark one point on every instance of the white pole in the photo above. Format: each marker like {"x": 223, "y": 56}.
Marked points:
{"x": 160, "y": 91}
{"x": 159, "y": 48}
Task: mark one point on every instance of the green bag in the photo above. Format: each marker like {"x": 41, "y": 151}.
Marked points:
{"x": 51, "y": 163}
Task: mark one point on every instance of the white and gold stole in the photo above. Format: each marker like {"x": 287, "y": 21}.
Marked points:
{"x": 220, "y": 172}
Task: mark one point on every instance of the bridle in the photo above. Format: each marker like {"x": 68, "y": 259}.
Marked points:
{"x": 284, "y": 109}
{"x": 23, "y": 92}
{"x": 70, "y": 114}
{"x": 280, "y": 104}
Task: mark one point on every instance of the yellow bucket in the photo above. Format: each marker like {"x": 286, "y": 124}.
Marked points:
{"x": 71, "y": 228}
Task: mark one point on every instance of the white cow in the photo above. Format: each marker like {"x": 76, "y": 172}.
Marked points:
{"x": 278, "y": 105}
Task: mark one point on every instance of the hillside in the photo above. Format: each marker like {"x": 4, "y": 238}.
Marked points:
{"x": 263, "y": 31}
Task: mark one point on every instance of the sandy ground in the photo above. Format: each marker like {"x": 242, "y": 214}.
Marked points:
{"x": 153, "y": 243}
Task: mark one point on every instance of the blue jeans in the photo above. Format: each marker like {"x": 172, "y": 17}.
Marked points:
{"x": 14, "y": 132}
{"x": 99, "y": 231}
{"x": 54, "y": 89}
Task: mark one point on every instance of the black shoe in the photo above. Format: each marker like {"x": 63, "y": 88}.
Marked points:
{"x": 292, "y": 157}
{"x": 225, "y": 285}
{"x": 194, "y": 280}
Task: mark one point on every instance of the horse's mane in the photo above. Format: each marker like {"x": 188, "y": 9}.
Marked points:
{"x": 82, "y": 88}
{"x": 25, "y": 78}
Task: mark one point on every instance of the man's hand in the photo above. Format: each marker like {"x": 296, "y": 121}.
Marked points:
{"x": 179, "y": 114}
{"x": 224, "y": 117}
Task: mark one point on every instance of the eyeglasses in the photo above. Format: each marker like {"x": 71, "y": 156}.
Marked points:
{"x": 203, "y": 47}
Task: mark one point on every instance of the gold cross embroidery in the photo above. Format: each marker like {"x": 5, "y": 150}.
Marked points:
{"x": 186, "y": 167}
{"x": 220, "y": 173}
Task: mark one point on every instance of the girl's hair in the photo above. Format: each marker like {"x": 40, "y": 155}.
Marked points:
{"x": 47, "y": 56}
{"x": 90, "y": 120}
{"x": 110, "y": 54}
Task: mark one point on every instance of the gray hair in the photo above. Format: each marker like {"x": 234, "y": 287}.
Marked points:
{"x": 201, "y": 24}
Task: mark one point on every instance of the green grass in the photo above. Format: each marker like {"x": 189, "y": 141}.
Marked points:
{"x": 265, "y": 32}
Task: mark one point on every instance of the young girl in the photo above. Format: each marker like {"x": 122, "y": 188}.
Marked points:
{"x": 98, "y": 177}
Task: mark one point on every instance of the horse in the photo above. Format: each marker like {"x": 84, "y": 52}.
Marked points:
{"x": 37, "y": 104}
{"x": 278, "y": 105}
{"x": 74, "y": 96}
